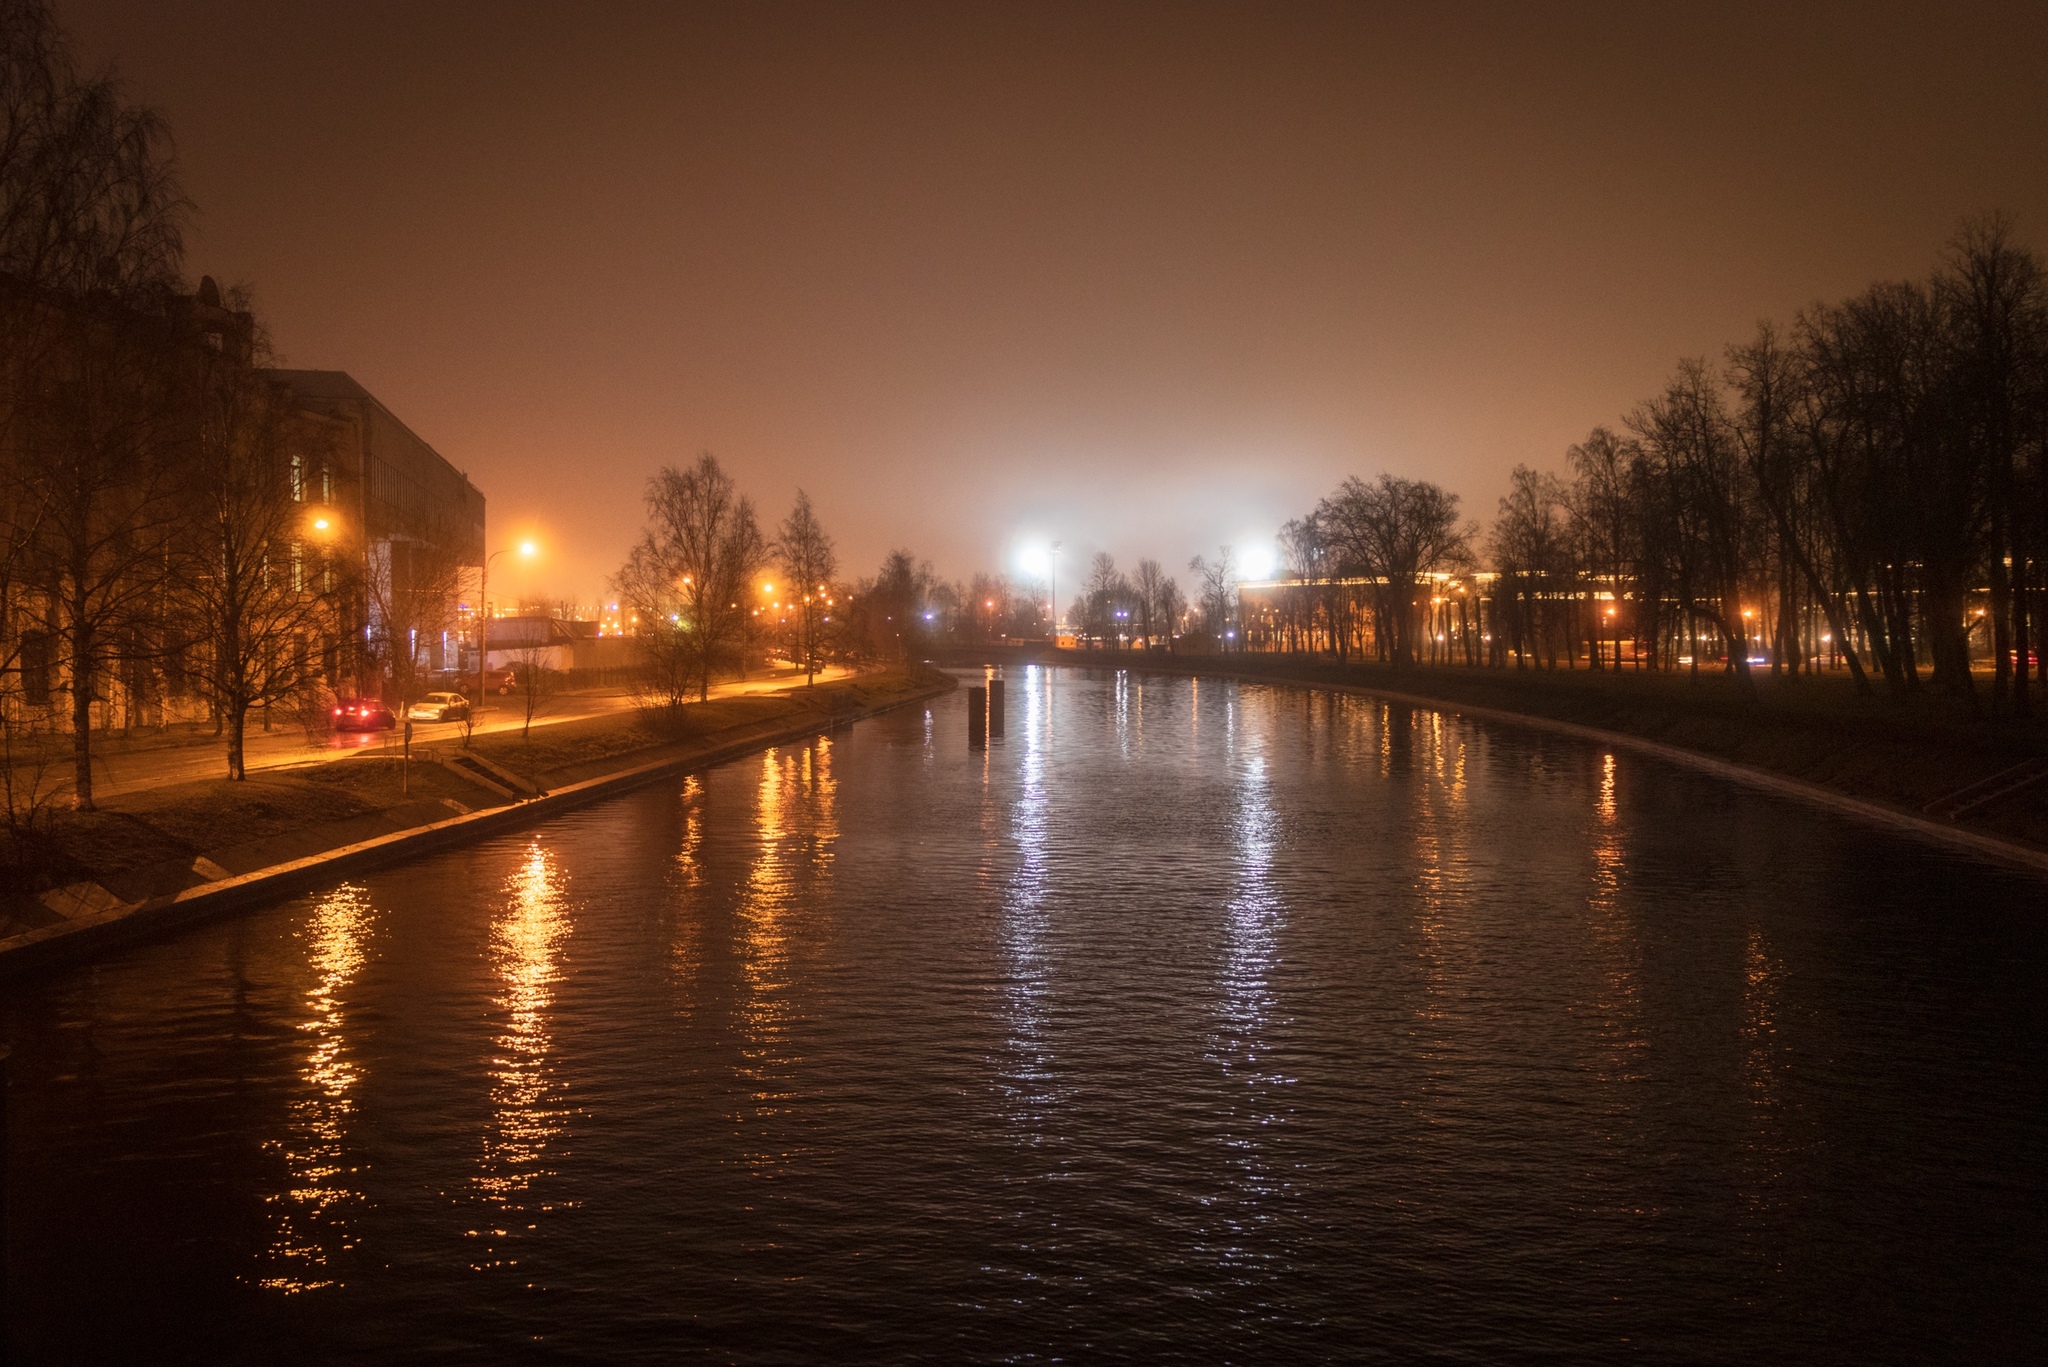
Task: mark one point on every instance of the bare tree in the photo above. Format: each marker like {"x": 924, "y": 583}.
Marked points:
{"x": 1686, "y": 432}
{"x": 1105, "y": 599}
{"x": 256, "y": 577}
{"x": 989, "y": 603}
{"x": 1528, "y": 552}
{"x": 668, "y": 650}
{"x": 808, "y": 564}
{"x": 1217, "y": 580}
{"x": 539, "y": 681}
{"x": 1171, "y": 609}
{"x": 1602, "y": 513}
{"x": 1148, "y": 585}
{"x": 1995, "y": 303}
{"x": 413, "y": 590}
{"x": 1395, "y": 531}
{"x": 98, "y": 456}
{"x": 91, "y": 221}
{"x": 693, "y": 567}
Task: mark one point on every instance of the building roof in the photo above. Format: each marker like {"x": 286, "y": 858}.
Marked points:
{"x": 338, "y": 386}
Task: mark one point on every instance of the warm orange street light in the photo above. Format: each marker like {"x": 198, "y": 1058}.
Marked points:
{"x": 527, "y": 550}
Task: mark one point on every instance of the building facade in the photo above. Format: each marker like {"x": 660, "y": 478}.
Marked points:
{"x": 410, "y": 525}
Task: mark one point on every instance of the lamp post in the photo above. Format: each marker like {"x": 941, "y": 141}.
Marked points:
{"x": 483, "y": 618}
{"x": 1052, "y": 609}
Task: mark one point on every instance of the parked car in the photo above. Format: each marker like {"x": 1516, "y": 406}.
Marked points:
{"x": 362, "y": 714}
{"x": 439, "y": 707}
{"x": 501, "y": 681}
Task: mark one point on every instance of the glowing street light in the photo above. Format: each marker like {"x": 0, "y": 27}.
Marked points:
{"x": 527, "y": 550}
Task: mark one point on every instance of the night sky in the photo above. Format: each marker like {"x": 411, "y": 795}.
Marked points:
{"x": 1142, "y": 278}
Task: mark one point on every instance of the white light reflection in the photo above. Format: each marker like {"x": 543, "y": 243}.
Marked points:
{"x": 1027, "y": 1076}
{"x": 1120, "y": 704}
{"x": 1245, "y": 1021}
{"x": 308, "y": 1218}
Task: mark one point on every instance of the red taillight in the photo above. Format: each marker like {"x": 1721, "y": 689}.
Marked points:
{"x": 337, "y": 711}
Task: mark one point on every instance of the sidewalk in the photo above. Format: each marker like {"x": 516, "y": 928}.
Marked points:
{"x": 153, "y": 762}
{"x": 144, "y": 863}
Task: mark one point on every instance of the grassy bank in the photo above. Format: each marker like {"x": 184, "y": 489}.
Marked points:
{"x": 160, "y": 841}
{"x": 1909, "y": 755}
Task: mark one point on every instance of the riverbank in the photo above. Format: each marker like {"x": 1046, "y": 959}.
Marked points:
{"x": 1922, "y": 768}
{"x": 161, "y": 857}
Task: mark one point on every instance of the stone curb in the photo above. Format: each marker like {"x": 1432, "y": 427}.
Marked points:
{"x": 88, "y": 935}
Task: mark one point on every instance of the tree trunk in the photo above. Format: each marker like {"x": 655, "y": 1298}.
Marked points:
{"x": 81, "y": 731}
{"x": 237, "y": 721}
{"x": 2022, "y": 701}
{"x": 2001, "y": 620}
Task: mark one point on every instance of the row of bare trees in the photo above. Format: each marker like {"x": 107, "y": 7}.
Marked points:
{"x": 1867, "y": 489}
{"x": 693, "y": 586}
{"x": 1144, "y": 609}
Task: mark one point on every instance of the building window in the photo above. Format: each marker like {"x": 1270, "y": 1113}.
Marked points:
{"x": 177, "y": 678}
{"x": 36, "y": 659}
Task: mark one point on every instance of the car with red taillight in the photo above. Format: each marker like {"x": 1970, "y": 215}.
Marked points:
{"x": 362, "y": 714}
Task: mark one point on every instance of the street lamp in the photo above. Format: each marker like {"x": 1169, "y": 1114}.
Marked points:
{"x": 483, "y": 616}
{"x": 1052, "y": 578}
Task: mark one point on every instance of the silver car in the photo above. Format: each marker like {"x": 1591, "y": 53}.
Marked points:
{"x": 439, "y": 707}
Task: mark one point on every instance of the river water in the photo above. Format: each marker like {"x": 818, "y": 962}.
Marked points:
{"x": 1196, "y": 1022}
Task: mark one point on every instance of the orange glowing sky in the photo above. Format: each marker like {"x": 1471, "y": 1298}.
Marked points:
{"x": 1142, "y": 278}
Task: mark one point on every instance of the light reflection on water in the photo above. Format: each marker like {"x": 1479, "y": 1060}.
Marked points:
{"x": 1027, "y": 1075}
{"x": 528, "y": 1112}
{"x": 1187, "y": 1022}
{"x": 1613, "y": 1009}
{"x": 310, "y": 1217}
{"x": 795, "y": 829}
{"x": 685, "y": 931}
{"x": 1241, "y": 1044}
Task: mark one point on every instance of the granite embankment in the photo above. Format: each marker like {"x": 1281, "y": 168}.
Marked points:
{"x": 1925, "y": 764}
{"x": 154, "y": 859}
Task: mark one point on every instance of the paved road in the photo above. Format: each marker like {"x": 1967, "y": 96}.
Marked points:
{"x": 205, "y": 757}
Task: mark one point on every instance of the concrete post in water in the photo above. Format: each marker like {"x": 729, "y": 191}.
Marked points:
{"x": 977, "y": 716}
{"x": 995, "y": 707}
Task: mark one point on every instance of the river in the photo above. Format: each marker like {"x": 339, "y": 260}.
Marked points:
{"x": 1189, "y": 1021}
